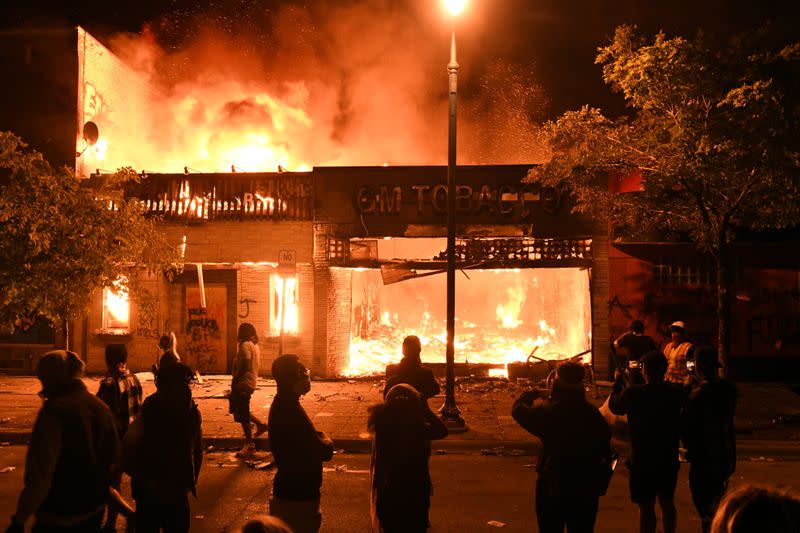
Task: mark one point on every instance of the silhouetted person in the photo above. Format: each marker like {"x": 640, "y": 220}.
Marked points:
{"x": 120, "y": 389}
{"x": 677, "y": 352}
{"x": 709, "y": 435}
{"x": 122, "y": 393}
{"x": 634, "y": 344}
{"x": 299, "y": 450}
{"x": 654, "y": 419}
{"x": 758, "y": 509}
{"x": 164, "y": 453}
{"x": 72, "y": 454}
{"x": 169, "y": 349}
{"x": 575, "y": 459}
{"x": 402, "y": 428}
{"x": 410, "y": 370}
{"x": 244, "y": 383}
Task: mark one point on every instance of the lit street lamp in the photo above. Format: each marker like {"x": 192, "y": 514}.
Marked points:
{"x": 450, "y": 412}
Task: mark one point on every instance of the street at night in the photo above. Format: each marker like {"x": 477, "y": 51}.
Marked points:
{"x": 399, "y": 266}
{"x": 470, "y": 491}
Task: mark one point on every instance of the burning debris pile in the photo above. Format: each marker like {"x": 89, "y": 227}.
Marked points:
{"x": 501, "y": 316}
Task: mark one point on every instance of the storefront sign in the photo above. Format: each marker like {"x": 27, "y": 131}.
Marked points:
{"x": 488, "y": 199}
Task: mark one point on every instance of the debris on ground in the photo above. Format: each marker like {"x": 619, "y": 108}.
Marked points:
{"x": 5, "y": 420}
{"x": 4, "y": 444}
{"x": 440, "y": 452}
{"x": 7, "y": 469}
{"x": 260, "y": 465}
{"x": 496, "y": 523}
{"x": 324, "y": 397}
{"x": 500, "y": 450}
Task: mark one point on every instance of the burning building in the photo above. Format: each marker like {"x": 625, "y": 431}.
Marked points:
{"x": 338, "y": 263}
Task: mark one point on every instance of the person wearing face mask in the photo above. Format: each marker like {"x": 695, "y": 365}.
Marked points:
{"x": 72, "y": 456}
{"x": 298, "y": 448}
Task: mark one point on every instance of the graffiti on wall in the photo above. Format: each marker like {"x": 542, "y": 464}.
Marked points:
{"x": 205, "y": 332}
{"x": 246, "y": 303}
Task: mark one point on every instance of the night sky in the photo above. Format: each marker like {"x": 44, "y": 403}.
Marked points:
{"x": 556, "y": 40}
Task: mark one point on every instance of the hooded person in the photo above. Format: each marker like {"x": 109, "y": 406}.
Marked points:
{"x": 298, "y": 448}
{"x": 575, "y": 458}
{"x": 164, "y": 453}
{"x": 72, "y": 456}
{"x": 402, "y": 428}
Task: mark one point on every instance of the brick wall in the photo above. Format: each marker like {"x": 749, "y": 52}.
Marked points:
{"x": 118, "y": 100}
{"x": 145, "y": 330}
{"x": 255, "y": 285}
{"x": 332, "y": 309}
{"x": 242, "y": 241}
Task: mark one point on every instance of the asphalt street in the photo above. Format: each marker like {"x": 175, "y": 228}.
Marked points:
{"x": 470, "y": 491}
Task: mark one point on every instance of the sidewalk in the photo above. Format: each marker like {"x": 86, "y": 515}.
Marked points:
{"x": 768, "y": 416}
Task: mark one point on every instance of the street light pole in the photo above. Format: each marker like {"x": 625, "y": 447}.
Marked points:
{"x": 450, "y": 412}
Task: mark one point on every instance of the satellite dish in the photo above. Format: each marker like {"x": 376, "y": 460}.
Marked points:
{"x": 90, "y": 133}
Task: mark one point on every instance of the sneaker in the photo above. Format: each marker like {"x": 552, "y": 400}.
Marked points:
{"x": 260, "y": 430}
{"x": 246, "y": 451}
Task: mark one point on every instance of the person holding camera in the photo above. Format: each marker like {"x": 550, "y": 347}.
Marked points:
{"x": 654, "y": 419}
{"x": 575, "y": 459}
{"x": 634, "y": 344}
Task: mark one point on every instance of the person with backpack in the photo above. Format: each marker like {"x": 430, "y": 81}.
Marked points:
{"x": 163, "y": 453}
{"x": 575, "y": 459}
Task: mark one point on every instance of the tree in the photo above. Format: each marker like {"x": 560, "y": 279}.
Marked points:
{"x": 61, "y": 239}
{"x": 713, "y": 132}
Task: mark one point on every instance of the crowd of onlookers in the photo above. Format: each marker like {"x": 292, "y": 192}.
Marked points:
{"x": 82, "y": 444}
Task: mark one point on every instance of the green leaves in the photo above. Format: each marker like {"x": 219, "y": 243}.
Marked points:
{"x": 715, "y": 132}
{"x": 59, "y": 240}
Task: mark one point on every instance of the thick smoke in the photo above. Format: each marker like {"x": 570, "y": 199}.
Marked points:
{"x": 336, "y": 83}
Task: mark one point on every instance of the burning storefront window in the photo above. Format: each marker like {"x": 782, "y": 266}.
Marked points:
{"x": 116, "y": 308}
{"x": 501, "y": 316}
{"x": 284, "y": 290}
